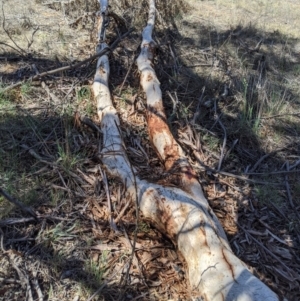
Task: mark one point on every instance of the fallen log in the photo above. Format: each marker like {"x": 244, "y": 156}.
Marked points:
{"x": 182, "y": 213}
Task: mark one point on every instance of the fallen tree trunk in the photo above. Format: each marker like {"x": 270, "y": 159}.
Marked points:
{"x": 182, "y": 213}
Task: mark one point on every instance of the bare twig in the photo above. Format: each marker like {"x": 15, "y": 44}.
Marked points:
{"x": 1, "y": 241}
{"x": 225, "y": 137}
{"x": 288, "y": 189}
{"x": 231, "y": 148}
{"x": 26, "y": 238}
{"x": 21, "y": 51}
{"x": 174, "y": 101}
{"x": 260, "y": 160}
{"x": 9, "y": 281}
{"x": 15, "y": 49}
{"x": 125, "y": 78}
{"x": 28, "y": 289}
{"x": 23, "y": 278}
{"x": 228, "y": 174}
{"x": 224, "y": 173}
{"x": 133, "y": 255}
{"x": 268, "y": 155}
{"x": 268, "y": 251}
{"x": 277, "y": 172}
{"x": 32, "y": 35}
{"x": 120, "y": 215}
{"x": 281, "y": 115}
{"x": 287, "y": 186}
{"x": 71, "y": 66}
{"x": 98, "y": 291}
{"x": 137, "y": 218}
{"x": 104, "y": 179}
{"x": 295, "y": 164}
{"x": 37, "y": 287}
{"x": 18, "y": 203}
{"x": 54, "y": 98}
{"x": 198, "y": 106}
{"x": 13, "y": 221}
{"x": 87, "y": 121}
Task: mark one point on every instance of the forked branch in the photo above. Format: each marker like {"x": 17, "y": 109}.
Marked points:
{"x": 182, "y": 213}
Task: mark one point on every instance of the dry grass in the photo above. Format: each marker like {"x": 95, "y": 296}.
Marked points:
{"x": 267, "y": 16}
{"x": 48, "y": 158}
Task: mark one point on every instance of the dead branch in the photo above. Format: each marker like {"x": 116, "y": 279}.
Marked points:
{"x": 20, "y": 50}
{"x": 71, "y": 66}
{"x": 225, "y": 136}
{"x": 37, "y": 287}
{"x": 181, "y": 212}
{"x": 18, "y": 203}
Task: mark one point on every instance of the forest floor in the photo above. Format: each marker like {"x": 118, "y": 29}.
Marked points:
{"x": 229, "y": 73}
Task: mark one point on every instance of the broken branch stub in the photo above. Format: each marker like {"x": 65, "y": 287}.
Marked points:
{"x": 182, "y": 213}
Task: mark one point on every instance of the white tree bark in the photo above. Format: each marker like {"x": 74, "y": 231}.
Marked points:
{"x": 182, "y": 213}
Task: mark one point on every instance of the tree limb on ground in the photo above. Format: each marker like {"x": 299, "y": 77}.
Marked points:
{"x": 71, "y": 66}
{"x": 18, "y": 203}
{"x": 182, "y": 213}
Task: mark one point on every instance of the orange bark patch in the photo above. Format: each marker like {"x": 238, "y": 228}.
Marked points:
{"x": 157, "y": 125}
{"x": 172, "y": 155}
{"x": 229, "y": 265}
{"x": 149, "y": 77}
{"x": 189, "y": 172}
{"x": 183, "y": 174}
{"x": 165, "y": 219}
{"x": 189, "y": 175}
{"x": 101, "y": 70}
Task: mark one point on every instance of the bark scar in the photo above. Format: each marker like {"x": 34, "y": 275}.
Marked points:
{"x": 229, "y": 265}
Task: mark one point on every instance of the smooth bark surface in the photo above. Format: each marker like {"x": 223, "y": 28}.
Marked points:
{"x": 182, "y": 213}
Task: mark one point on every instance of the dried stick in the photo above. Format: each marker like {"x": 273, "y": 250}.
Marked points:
{"x": 268, "y": 155}
{"x": 225, "y": 137}
{"x": 125, "y": 78}
{"x": 18, "y": 203}
{"x": 87, "y": 121}
{"x": 120, "y": 215}
{"x": 175, "y": 103}
{"x": 13, "y": 221}
{"x": 71, "y": 66}
{"x": 21, "y": 51}
{"x": 295, "y": 164}
{"x": 224, "y": 173}
{"x": 98, "y": 291}
{"x": 281, "y": 115}
{"x": 23, "y": 279}
{"x": 104, "y": 179}
{"x": 198, "y": 106}
{"x": 2, "y": 43}
{"x": 37, "y": 287}
{"x": 277, "y": 172}
{"x": 288, "y": 189}
{"x": 287, "y": 186}
{"x": 266, "y": 249}
{"x": 228, "y": 174}
{"x": 1, "y": 242}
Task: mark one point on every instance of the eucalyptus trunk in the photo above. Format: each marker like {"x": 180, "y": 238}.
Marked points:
{"x": 182, "y": 213}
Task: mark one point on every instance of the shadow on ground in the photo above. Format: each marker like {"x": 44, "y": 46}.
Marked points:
{"x": 250, "y": 96}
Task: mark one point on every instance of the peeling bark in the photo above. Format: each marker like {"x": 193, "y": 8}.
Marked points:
{"x": 182, "y": 213}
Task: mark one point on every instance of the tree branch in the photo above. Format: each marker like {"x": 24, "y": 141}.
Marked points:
{"x": 71, "y": 66}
